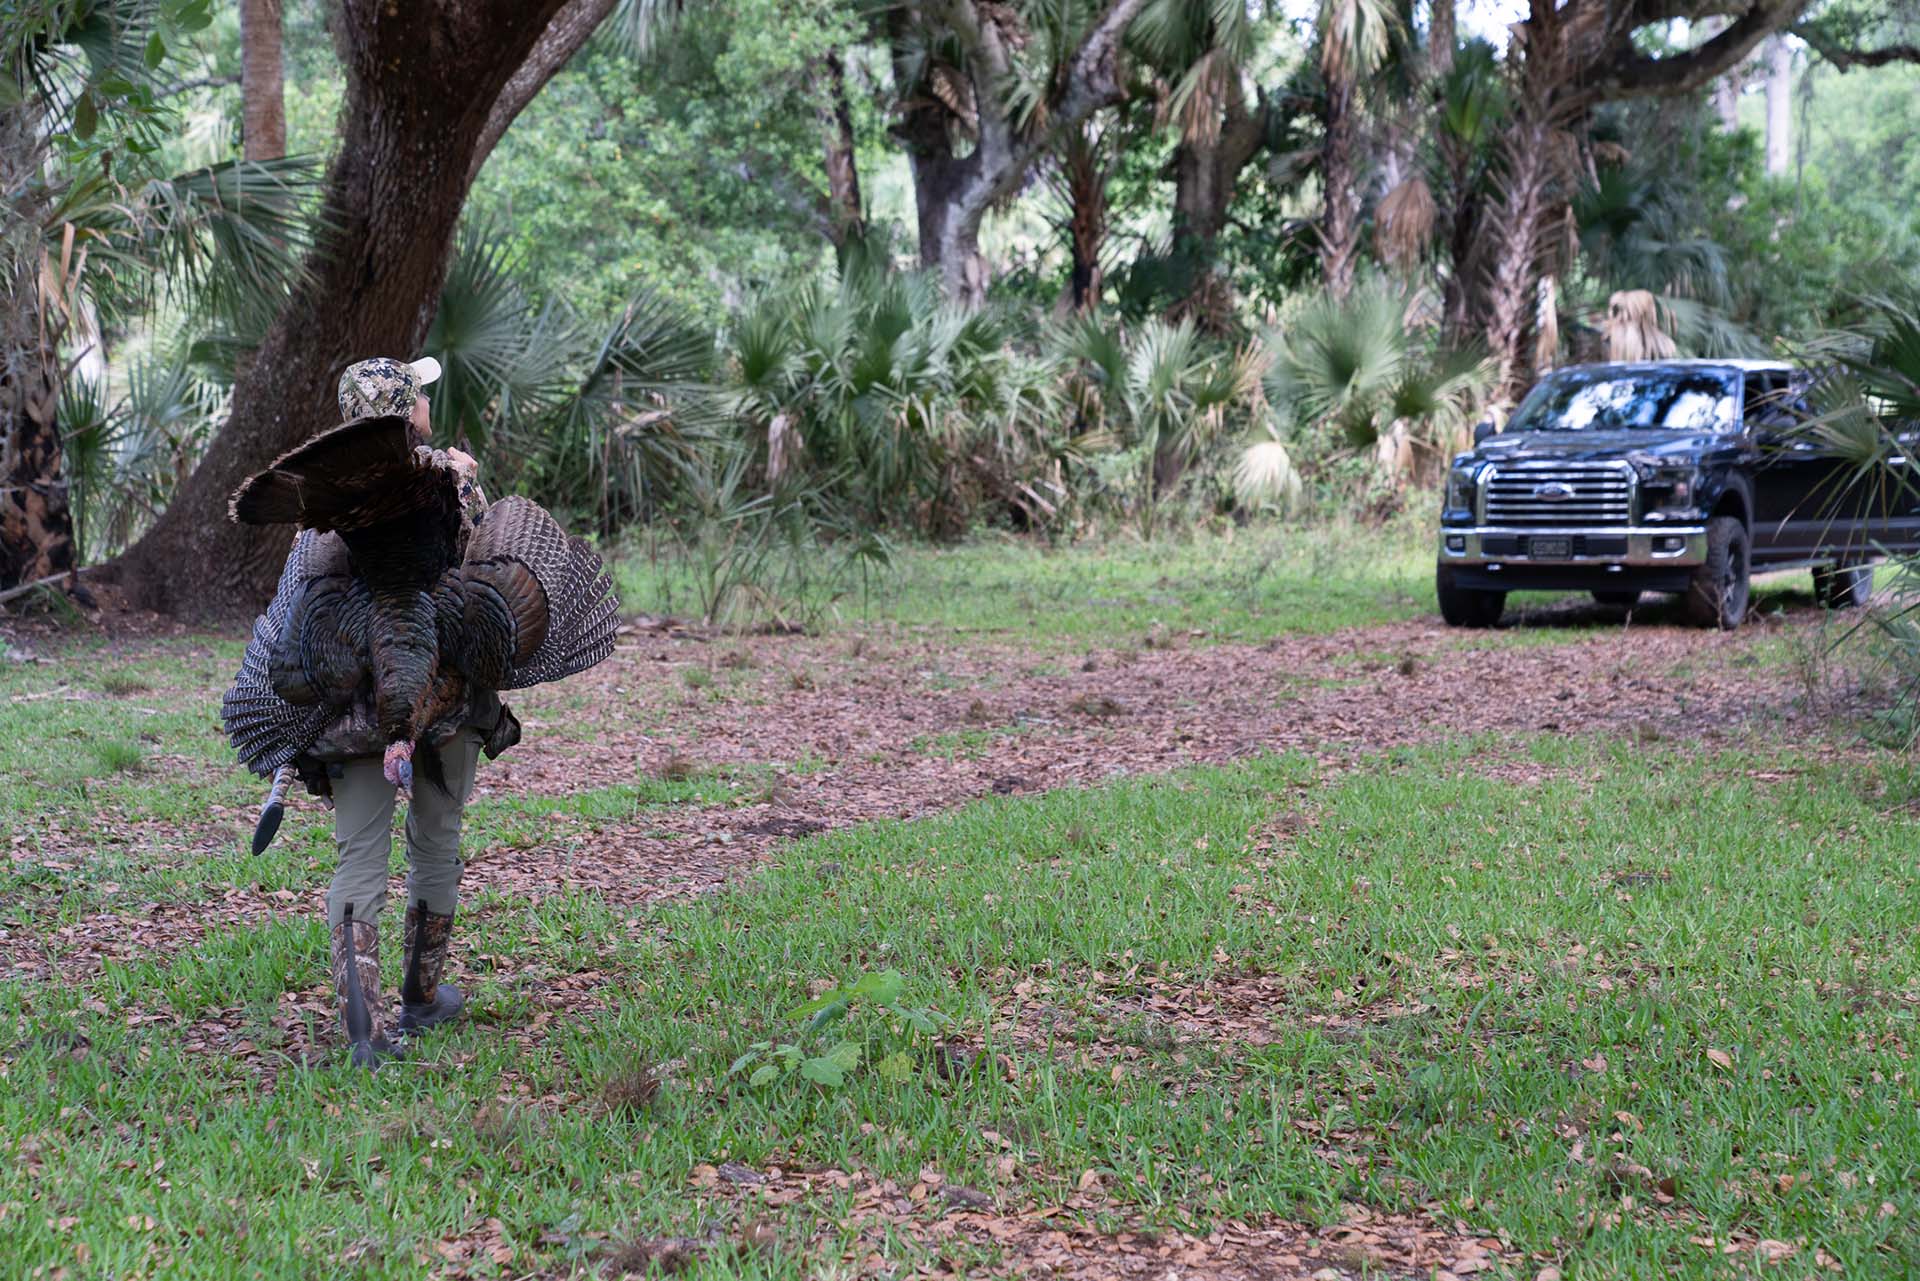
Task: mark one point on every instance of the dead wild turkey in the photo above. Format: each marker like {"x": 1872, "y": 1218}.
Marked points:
{"x": 395, "y": 607}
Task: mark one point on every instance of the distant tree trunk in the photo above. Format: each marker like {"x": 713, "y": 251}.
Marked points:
{"x": 1205, "y": 173}
{"x": 427, "y": 92}
{"x": 36, "y": 524}
{"x": 846, "y": 216}
{"x": 1779, "y": 105}
{"x": 954, "y": 188}
{"x": 1442, "y": 37}
{"x": 1339, "y": 174}
{"x": 263, "y": 107}
{"x": 1083, "y": 188}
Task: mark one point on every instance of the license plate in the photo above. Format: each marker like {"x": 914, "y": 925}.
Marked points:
{"x": 1549, "y": 548}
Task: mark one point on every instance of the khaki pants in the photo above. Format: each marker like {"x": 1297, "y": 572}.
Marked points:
{"x": 363, "y": 804}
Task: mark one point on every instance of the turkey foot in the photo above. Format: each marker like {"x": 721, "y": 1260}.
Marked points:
{"x": 397, "y": 765}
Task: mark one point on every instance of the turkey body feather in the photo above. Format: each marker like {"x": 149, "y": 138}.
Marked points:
{"x": 391, "y": 603}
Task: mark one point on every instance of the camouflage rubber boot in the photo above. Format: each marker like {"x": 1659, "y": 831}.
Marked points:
{"x": 424, "y": 1000}
{"x": 356, "y": 981}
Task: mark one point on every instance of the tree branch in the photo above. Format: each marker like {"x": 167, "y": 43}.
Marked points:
{"x": 1093, "y": 77}
{"x": 1627, "y": 73}
{"x": 1844, "y": 59}
{"x": 569, "y": 30}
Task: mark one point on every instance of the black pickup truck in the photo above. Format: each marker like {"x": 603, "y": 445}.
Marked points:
{"x": 1677, "y": 476}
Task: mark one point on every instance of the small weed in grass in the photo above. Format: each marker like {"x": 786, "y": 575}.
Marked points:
{"x": 116, "y": 756}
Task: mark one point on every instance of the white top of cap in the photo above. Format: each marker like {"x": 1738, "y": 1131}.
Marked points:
{"x": 426, "y": 369}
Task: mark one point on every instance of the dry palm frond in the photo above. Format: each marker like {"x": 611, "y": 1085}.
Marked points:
{"x": 1355, "y": 37}
{"x": 783, "y": 445}
{"x": 955, "y": 92}
{"x": 1265, "y": 474}
{"x": 1633, "y": 329}
{"x": 1405, "y": 223}
{"x": 1611, "y": 154}
{"x": 1195, "y": 104}
{"x": 1546, "y": 326}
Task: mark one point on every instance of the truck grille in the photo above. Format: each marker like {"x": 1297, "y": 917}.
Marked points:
{"x": 1560, "y": 495}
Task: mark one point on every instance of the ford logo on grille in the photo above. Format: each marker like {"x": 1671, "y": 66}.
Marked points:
{"x": 1553, "y": 491}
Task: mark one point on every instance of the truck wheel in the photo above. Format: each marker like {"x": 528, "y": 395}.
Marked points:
{"x": 1717, "y": 593}
{"x": 1843, "y": 586}
{"x": 1466, "y": 606}
{"x": 1620, "y": 600}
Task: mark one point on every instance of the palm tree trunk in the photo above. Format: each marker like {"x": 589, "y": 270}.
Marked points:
{"x": 1516, "y": 222}
{"x": 263, "y": 108}
{"x": 1083, "y": 185}
{"x": 414, "y": 131}
{"x": 1340, "y": 223}
{"x": 36, "y": 524}
{"x": 1442, "y": 35}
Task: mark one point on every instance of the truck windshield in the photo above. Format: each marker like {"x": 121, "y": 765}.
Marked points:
{"x": 1623, "y": 400}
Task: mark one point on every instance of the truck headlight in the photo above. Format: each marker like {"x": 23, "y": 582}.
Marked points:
{"x": 1460, "y": 490}
{"x": 1670, "y": 490}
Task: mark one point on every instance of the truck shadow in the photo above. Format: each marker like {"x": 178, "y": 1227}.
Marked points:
{"x": 1572, "y": 612}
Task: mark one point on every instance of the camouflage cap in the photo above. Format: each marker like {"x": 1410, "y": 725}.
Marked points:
{"x": 384, "y": 385}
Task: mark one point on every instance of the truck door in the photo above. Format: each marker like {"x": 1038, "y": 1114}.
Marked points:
{"x": 1792, "y": 473}
{"x": 1810, "y": 503}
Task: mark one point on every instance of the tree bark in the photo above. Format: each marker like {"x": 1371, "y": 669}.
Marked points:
{"x": 263, "y": 105}
{"x": 36, "y": 523}
{"x": 1205, "y": 175}
{"x": 1083, "y": 188}
{"x": 423, "y": 82}
{"x": 1442, "y": 37}
{"x": 953, "y": 191}
{"x": 846, "y": 212}
{"x": 1339, "y": 176}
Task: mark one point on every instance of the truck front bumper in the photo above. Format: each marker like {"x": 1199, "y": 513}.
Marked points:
{"x": 1655, "y": 558}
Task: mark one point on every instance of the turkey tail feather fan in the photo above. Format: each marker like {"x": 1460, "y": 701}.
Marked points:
{"x": 265, "y": 729}
{"x": 356, "y": 475}
{"x": 581, "y": 611}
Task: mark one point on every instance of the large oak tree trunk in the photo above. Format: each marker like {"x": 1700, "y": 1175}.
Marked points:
{"x": 263, "y": 105}
{"x": 424, "y": 87}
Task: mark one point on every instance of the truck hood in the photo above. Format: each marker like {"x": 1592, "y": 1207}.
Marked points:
{"x": 1587, "y": 446}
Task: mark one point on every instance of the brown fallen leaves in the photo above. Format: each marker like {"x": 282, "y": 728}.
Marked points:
{"x": 950, "y": 1227}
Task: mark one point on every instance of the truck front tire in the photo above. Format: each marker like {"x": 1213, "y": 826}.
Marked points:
{"x": 1717, "y": 594}
{"x": 1466, "y": 606}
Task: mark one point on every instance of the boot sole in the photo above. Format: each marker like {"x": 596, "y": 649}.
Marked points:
{"x": 447, "y": 1003}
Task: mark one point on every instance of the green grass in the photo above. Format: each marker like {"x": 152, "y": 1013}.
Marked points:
{"x": 1248, "y": 584}
{"x": 1441, "y": 960}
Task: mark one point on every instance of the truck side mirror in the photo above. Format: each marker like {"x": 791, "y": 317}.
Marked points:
{"x": 1481, "y": 431}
